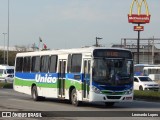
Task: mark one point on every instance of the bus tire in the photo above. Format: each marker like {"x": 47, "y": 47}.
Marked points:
{"x": 109, "y": 104}
{"x": 34, "y": 92}
{"x": 74, "y": 100}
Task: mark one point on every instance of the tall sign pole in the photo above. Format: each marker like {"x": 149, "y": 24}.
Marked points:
{"x": 139, "y": 19}
{"x": 138, "y": 41}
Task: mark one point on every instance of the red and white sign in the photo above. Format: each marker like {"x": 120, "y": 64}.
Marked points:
{"x": 138, "y": 28}
{"x": 139, "y": 19}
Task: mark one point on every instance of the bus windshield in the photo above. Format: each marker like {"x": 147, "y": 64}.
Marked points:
{"x": 112, "y": 71}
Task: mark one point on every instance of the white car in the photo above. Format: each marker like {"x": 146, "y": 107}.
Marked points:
{"x": 6, "y": 73}
{"x": 145, "y": 83}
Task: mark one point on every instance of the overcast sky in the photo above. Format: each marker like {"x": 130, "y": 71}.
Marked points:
{"x": 73, "y": 23}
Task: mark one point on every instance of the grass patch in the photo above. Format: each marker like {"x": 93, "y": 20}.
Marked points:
{"x": 147, "y": 95}
{"x": 6, "y": 85}
{"x": 1, "y": 85}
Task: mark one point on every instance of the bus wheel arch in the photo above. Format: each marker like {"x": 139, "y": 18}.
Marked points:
{"x": 70, "y": 92}
{"x": 73, "y": 96}
{"x": 34, "y": 93}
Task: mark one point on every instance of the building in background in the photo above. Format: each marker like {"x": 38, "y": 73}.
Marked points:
{"x": 148, "y": 54}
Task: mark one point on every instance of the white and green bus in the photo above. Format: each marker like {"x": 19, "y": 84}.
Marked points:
{"x": 91, "y": 74}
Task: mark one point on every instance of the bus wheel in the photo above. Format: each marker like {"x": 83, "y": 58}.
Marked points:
{"x": 109, "y": 104}
{"x": 35, "y": 96}
{"x": 74, "y": 100}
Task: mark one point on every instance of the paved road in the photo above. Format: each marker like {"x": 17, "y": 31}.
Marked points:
{"x": 14, "y": 101}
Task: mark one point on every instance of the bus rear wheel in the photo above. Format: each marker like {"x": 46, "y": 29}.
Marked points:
{"x": 74, "y": 100}
{"x": 34, "y": 92}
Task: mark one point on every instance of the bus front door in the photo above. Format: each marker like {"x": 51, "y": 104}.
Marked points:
{"x": 61, "y": 78}
{"x": 86, "y": 80}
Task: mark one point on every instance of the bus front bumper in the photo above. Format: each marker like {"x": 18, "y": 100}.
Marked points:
{"x": 95, "y": 97}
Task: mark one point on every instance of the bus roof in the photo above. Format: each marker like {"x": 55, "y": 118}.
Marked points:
{"x": 64, "y": 51}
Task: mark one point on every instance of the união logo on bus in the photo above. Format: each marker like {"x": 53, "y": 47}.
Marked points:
{"x": 45, "y": 79}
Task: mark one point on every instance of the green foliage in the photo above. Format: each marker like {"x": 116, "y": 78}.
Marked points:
{"x": 147, "y": 95}
{"x": 6, "y": 85}
{"x": 1, "y": 85}
{"x": 11, "y": 57}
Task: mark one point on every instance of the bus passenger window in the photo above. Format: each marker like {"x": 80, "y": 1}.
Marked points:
{"x": 35, "y": 64}
{"x": 19, "y": 64}
{"x": 76, "y": 63}
{"x": 44, "y": 63}
{"x": 27, "y": 65}
{"x": 53, "y": 64}
{"x": 145, "y": 72}
{"x": 69, "y": 63}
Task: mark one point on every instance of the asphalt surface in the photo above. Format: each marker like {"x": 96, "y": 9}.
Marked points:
{"x": 12, "y": 101}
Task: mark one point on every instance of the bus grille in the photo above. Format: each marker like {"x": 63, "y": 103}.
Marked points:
{"x": 113, "y": 97}
{"x": 114, "y": 93}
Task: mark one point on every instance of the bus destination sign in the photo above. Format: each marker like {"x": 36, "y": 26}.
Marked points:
{"x": 112, "y": 53}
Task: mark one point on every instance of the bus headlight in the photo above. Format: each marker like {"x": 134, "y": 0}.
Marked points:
{"x": 129, "y": 91}
{"x": 96, "y": 90}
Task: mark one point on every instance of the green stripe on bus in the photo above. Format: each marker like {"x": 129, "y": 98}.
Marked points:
{"x": 68, "y": 84}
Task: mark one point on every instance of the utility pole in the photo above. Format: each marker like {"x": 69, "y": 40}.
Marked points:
{"x": 8, "y": 34}
{"x": 153, "y": 50}
{"x": 4, "y": 52}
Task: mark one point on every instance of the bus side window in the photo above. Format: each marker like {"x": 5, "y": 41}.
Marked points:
{"x": 27, "y": 65}
{"x": 149, "y": 71}
{"x": 35, "y": 64}
{"x": 89, "y": 65}
{"x": 76, "y": 63}
{"x": 19, "y": 64}
{"x": 145, "y": 72}
{"x": 53, "y": 63}
{"x": 44, "y": 63}
{"x": 69, "y": 63}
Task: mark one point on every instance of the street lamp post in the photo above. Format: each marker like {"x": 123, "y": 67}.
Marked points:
{"x": 8, "y": 34}
{"x": 97, "y": 44}
{"x": 4, "y": 52}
